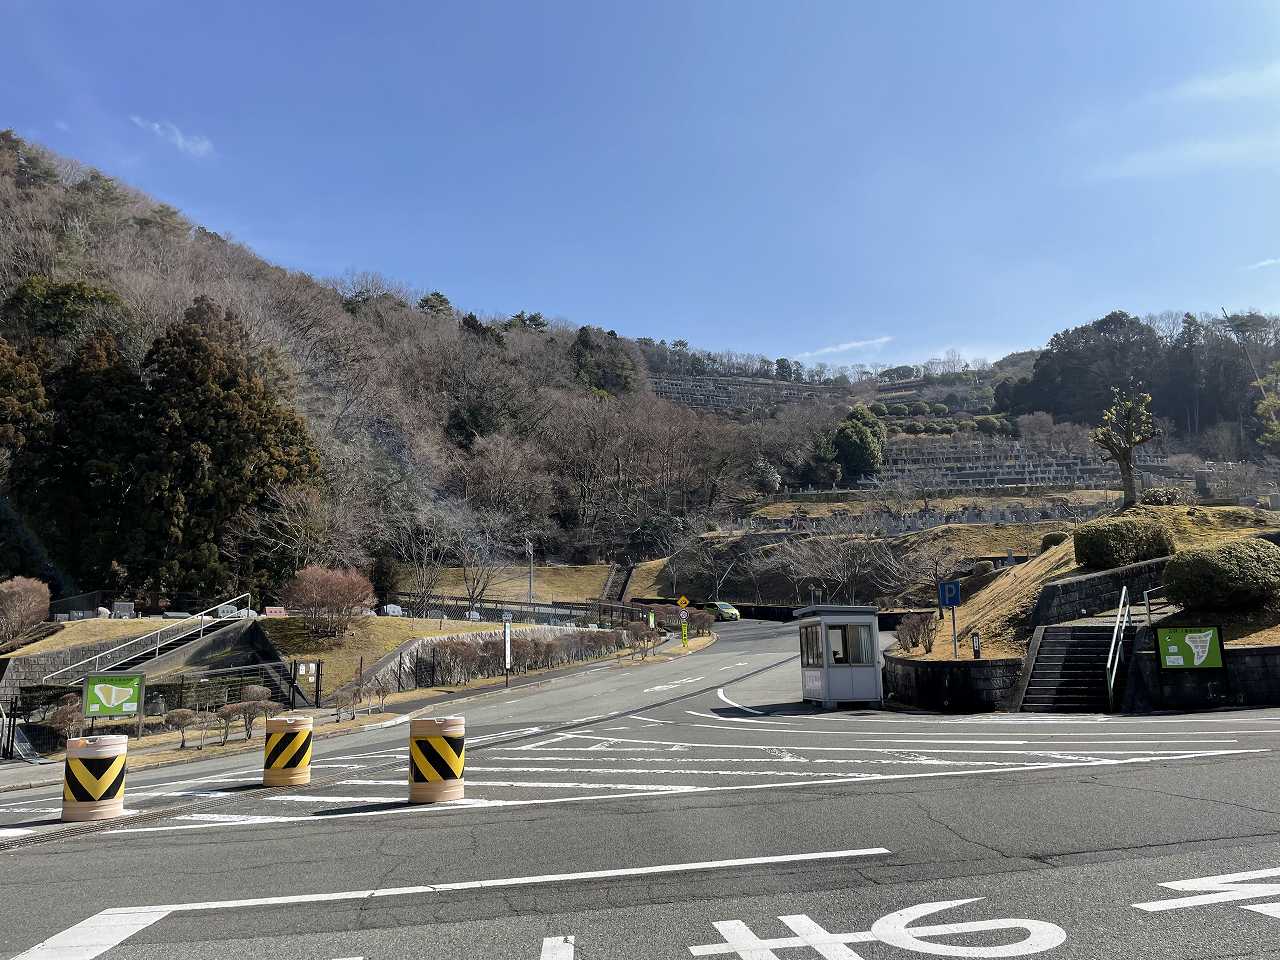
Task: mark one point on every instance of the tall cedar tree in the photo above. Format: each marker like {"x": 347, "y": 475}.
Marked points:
{"x": 22, "y": 397}
{"x": 77, "y": 479}
{"x": 218, "y": 442}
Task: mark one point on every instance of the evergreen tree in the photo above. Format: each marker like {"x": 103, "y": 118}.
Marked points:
{"x": 22, "y": 397}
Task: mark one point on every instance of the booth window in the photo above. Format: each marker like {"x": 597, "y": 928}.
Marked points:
{"x": 851, "y": 644}
{"x": 810, "y": 647}
{"x": 835, "y": 637}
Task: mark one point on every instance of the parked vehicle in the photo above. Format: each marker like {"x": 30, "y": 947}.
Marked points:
{"x": 723, "y": 611}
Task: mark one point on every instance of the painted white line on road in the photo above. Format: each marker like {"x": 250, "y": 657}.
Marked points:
{"x": 93, "y": 937}
{"x": 557, "y": 948}
{"x": 721, "y": 694}
{"x": 741, "y": 663}
{"x": 14, "y": 831}
{"x": 767, "y": 723}
{"x": 618, "y": 745}
{"x": 858, "y": 778}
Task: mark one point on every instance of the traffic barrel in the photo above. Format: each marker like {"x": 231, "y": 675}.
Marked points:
{"x": 286, "y": 757}
{"x": 93, "y": 778}
{"x": 436, "y": 759}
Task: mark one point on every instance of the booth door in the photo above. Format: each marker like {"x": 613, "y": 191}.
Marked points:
{"x": 853, "y": 671}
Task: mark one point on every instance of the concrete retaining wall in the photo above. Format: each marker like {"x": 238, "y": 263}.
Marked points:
{"x": 22, "y": 670}
{"x": 1250, "y": 678}
{"x": 965, "y": 686}
{"x": 1092, "y": 593}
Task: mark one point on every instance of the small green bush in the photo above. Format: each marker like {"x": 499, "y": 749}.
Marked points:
{"x": 983, "y": 567}
{"x": 1053, "y": 539}
{"x": 879, "y": 409}
{"x": 1117, "y": 541}
{"x": 939, "y": 409}
{"x": 912, "y": 427}
{"x": 919, "y": 409}
{"x": 1242, "y": 574}
{"x": 1166, "y": 496}
{"x": 898, "y": 410}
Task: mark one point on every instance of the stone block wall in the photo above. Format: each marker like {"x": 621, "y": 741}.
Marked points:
{"x": 1074, "y": 597}
{"x": 964, "y": 686}
{"x": 1250, "y": 678}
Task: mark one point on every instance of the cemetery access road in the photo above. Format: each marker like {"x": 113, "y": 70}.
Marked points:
{"x": 688, "y": 808}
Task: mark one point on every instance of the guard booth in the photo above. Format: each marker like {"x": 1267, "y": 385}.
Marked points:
{"x": 840, "y": 659}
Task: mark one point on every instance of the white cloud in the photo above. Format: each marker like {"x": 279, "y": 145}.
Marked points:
{"x": 1263, "y": 264}
{"x": 845, "y": 347}
{"x": 1247, "y": 84}
{"x": 1191, "y": 156}
{"x": 195, "y": 145}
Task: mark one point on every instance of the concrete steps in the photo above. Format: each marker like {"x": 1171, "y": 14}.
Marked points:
{"x": 1070, "y": 671}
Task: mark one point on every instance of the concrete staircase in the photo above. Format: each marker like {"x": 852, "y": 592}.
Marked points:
{"x": 1069, "y": 673}
{"x": 615, "y": 585}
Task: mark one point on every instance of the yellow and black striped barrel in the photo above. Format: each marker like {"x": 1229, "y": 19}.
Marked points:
{"x": 436, "y": 759}
{"x": 93, "y": 778}
{"x": 286, "y": 758}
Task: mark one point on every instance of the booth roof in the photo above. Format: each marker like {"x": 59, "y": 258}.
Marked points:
{"x": 835, "y": 610}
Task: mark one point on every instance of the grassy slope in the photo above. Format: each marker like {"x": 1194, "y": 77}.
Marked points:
{"x": 999, "y": 611}
{"x": 646, "y": 579}
{"x": 82, "y": 632}
{"x": 583, "y": 582}
{"x": 369, "y": 637}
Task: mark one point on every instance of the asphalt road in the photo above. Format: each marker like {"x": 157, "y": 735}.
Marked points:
{"x": 692, "y": 808}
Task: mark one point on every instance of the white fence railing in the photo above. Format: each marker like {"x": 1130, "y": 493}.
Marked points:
{"x": 1116, "y": 652}
{"x": 194, "y": 626}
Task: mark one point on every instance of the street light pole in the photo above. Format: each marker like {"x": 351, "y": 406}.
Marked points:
{"x": 528, "y": 550}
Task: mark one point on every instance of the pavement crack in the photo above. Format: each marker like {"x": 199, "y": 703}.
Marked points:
{"x": 932, "y": 818}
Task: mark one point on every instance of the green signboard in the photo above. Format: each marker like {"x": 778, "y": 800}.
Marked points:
{"x": 1189, "y": 648}
{"x": 112, "y": 694}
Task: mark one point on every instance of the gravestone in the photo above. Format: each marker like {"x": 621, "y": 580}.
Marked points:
{"x": 122, "y": 610}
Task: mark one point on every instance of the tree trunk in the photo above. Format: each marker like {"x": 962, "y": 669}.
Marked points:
{"x": 1125, "y": 464}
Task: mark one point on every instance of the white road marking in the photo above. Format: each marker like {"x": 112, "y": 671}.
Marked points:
{"x": 1224, "y": 888}
{"x": 740, "y": 663}
{"x": 557, "y": 948}
{"x": 95, "y": 936}
{"x": 769, "y": 723}
{"x": 721, "y": 694}
{"x": 672, "y": 685}
{"x": 858, "y": 778}
{"x": 893, "y": 929}
{"x": 14, "y": 831}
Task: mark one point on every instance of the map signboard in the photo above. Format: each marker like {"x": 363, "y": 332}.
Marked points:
{"x": 1189, "y": 648}
{"x": 112, "y": 694}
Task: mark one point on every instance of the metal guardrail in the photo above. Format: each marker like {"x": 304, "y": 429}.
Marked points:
{"x": 521, "y": 611}
{"x": 1116, "y": 652}
{"x": 197, "y": 623}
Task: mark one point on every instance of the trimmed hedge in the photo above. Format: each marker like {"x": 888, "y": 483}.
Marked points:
{"x": 1243, "y": 574}
{"x": 1052, "y": 539}
{"x": 1166, "y": 497}
{"x": 983, "y": 567}
{"x": 1118, "y": 541}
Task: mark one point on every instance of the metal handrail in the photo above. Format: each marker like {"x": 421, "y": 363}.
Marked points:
{"x": 1146, "y": 599}
{"x": 155, "y": 637}
{"x": 1116, "y": 652}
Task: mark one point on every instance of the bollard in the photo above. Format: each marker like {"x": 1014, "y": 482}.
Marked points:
{"x": 93, "y": 778}
{"x": 436, "y": 759}
{"x": 286, "y": 757}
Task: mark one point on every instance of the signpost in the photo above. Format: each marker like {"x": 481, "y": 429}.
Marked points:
{"x": 114, "y": 695}
{"x": 682, "y": 602}
{"x": 1189, "y": 648}
{"x": 949, "y": 596}
{"x": 506, "y": 645}
{"x": 684, "y": 625}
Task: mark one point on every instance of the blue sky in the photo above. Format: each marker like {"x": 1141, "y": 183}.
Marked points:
{"x": 785, "y": 178}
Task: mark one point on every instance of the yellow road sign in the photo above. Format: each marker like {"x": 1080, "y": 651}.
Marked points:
{"x": 683, "y": 601}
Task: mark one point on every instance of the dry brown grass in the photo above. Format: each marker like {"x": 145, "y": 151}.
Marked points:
{"x": 571, "y": 583}
{"x": 959, "y": 502}
{"x": 80, "y": 633}
{"x": 1208, "y": 526}
{"x": 982, "y": 539}
{"x": 370, "y": 638}
{"x": 646, "y": 579}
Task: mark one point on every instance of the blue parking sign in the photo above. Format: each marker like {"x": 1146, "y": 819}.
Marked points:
{"x": 949, "y": 593}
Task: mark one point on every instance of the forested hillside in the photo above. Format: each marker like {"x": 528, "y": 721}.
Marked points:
{"x": 180, "y": 415}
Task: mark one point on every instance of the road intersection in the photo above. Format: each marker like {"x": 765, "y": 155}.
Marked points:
{"x": 691, "y": 808}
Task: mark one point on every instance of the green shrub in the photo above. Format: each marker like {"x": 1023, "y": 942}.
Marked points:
{"x": 983, "y": 567}
{"x": 879, "y": 409}
{"x": 912, "y": 427}
{"x": 1053, "y": 539}
{"x": 1241, "y": 575}
{"x": 1116, "y": 541}
{"x": 1166, "y": 496}
{"x": 898, "y": 410}
{"x": 919, "y": 409}
{"x": 939, "y": 409}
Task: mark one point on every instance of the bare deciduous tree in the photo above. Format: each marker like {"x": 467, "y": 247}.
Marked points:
{"x": 23, "y": 603}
